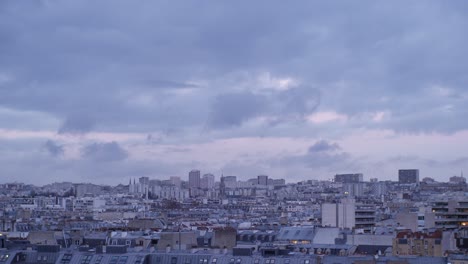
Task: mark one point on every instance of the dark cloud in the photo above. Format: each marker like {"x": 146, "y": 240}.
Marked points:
{"x": 104, "y": 152}
{"x": 124, "y": 72}
{"x": 323, "y": 146}
{"x": 322, "y": 154}
{"x": 301, "y": 101}
{"x": 233, "y": 109}
{"x": 168, "y": 71}
{"x": 53, "y": 148}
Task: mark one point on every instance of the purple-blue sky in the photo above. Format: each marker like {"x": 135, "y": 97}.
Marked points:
{"x": 104, "y": 91}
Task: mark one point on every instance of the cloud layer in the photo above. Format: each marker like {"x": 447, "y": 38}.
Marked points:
{"x": 196, "y": 73}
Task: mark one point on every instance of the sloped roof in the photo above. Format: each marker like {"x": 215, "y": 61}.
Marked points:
{"x": 296, "y": 233}
{"x": 326, "y": 235}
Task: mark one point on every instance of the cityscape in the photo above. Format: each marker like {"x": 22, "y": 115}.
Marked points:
{"x": 201, "y": 218}
{"x": 233, "y": 132}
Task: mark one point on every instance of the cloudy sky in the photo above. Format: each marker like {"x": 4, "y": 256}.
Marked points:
{"x": 104, "y": 91}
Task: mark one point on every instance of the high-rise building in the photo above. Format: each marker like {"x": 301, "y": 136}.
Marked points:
{"x": 194, "y": 179}
{"x": 349, "y": 178}
{"x": 262, "y": 180}
{"x": 353, "y": 189}
{"x": 230, "y": 182}
{"x": 408, "y": 176}
{"x": 207, "y": 181}
{"x": 175, "y": 180}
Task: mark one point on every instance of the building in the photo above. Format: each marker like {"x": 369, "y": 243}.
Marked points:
{"x": 353, "y": 189}
{"x": 224, "y": 237}
{"x": 408, "y": 176}
{"x": 416, "y": 219}
{"x": 349, "y": 178}
{"x": 207, "y": 181}
{"x": 176, "y": 181}
{"x": 450, "y": 214}
{"x": 262, "y": 180}
{"x": 378, "y": 188}
{"x": 427, "y": 243}
{"x": 339, "y": 214}
{"x": 87, "y": 189}
{"x": 230, "y": 182}
{"x": 458, "y": 179}
{"x": 194, "y": 179}
{"x": 364, "y": 217}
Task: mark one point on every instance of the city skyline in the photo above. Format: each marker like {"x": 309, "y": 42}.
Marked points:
{"x": 176, "y": 180}
{"x": 101, "y": 92}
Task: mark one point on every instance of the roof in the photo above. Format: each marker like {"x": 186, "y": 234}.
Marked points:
{"x": 296, "y": 233}
{"x": 420, "y": 234}
{"x": 326, "y": 235}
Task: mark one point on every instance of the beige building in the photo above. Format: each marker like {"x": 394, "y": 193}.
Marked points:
{"x": 425, "y": 243}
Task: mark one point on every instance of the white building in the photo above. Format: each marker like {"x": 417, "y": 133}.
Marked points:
{"x": 340, "y": 215}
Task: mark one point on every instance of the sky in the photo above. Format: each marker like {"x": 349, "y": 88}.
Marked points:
{"x": 104, "y": 91}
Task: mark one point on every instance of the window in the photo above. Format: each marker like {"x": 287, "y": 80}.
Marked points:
{"x": 214, "y": 260}
{"x": 128, "y": 242}
{"x": 123, "y": 260}
{"x": 98, "y": 260}
{"x": 66, "y": 258}
{"x": 4, "y": 257}
{"x": 402, "y": 241}
{"x": 114, "y": 260}
{"x": 174, "y": 260}
{"x": 86, "y": 259}
{"x": 139, "y": 260}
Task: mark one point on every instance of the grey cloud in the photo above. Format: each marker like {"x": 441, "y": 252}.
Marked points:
{"x": 104, "y": 152}
{"x": 77, "y": 124}
{"x": 96, "y": 66}
{"x": 462, "y": 161}
{"x": 323, "y": 146}
{"x": 53, "y": 148}
{"x": 36, "y": 168}
{"x": 403, "y": 158}
{"x": 233, "y": 109}
{"x": 412, "y": 160}
{"x": 301, "y": 100}
{"x": 100, "y": 58}
{"x": 322, "y": 154}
